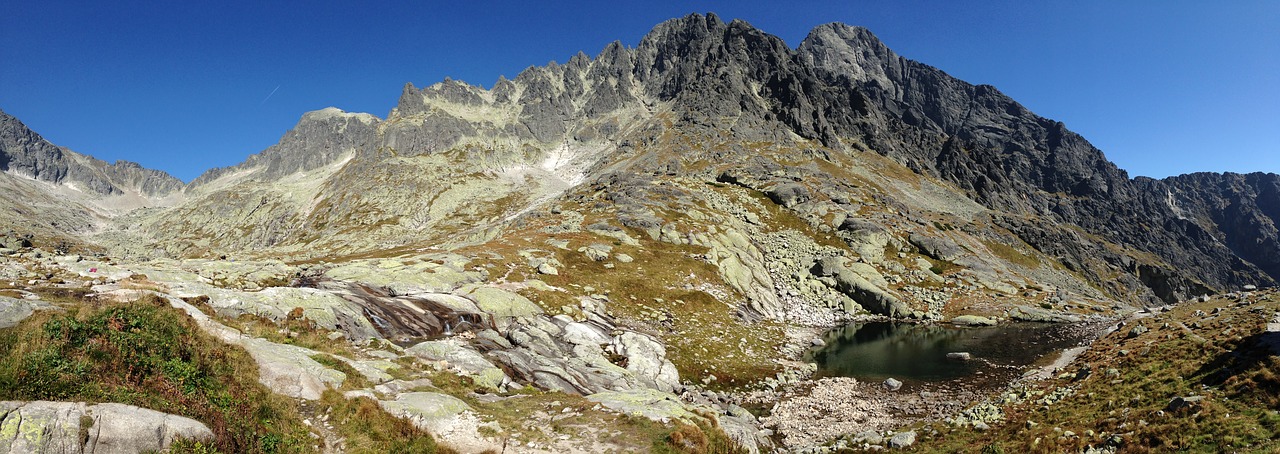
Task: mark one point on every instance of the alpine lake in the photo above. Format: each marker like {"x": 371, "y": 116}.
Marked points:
{"x": 918, "y": 353}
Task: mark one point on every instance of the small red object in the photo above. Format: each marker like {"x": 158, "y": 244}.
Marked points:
{"x": 93, "y": 270}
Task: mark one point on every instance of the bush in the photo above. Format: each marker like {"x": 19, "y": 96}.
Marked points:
{"x": 149, "y": 355}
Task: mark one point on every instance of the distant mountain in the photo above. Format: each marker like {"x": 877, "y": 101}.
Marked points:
{"x": 852, "y": 139}
{"x": 23, "y": 152}
{"x": 60, "y": 196}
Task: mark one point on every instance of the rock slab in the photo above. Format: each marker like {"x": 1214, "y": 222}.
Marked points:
{"x": 76, "y": 427}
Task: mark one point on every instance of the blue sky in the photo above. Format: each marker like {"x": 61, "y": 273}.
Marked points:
{"x": 1162, "y": 87}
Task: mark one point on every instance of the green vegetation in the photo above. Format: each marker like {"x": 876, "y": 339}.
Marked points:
{"x": 1012, "y": 255}
{"x": 703, "y": 335}
{"x": 699, "y": 438}
{"x": 367, "y": 428}
{"x": 150, "y": 355}
{"x": 1124, "y": 386}
{"x": 942, "y": 267}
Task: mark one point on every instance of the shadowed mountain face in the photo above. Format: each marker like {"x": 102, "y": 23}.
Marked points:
{"x": 843, "y": 134}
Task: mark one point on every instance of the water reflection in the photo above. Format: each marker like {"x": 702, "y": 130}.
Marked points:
{"x": 878, "y": 350}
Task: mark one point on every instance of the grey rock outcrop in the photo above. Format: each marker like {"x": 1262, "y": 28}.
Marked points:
{"x": 973, "y": 320}
{"x": 874, "y": 297}
{"x": 574, "y": 357}
{"x": 14, "y": 311}
{"x": 1036, "y": 314}
{"x": 467, "y": 361}
{"x": 892, "y": 384}
{"x": 76, "y": 427}
{"x": 903, "y": 440}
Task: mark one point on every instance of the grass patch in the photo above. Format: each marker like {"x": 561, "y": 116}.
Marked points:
{"x": 147, "y": 354}
{"x": 700, "y": 437}
{"x": 355, "y": 379}
{"x": 703, "y": 335}
{"x": 942, "y": 267}
{"x": 1012, "y": 255}
{"x": 1124, "y": 399}
{"x": 369, "y": 429}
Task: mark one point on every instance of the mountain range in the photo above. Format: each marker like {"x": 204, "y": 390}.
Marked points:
{"x": 454, "y": 164}
{"x": 676, "y": 217}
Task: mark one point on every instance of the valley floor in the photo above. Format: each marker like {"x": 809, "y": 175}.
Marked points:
{"x": 1198, "y": 376}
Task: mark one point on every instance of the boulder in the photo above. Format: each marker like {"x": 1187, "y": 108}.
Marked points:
{"x": 860, "y": 289}
{"x": 428, "y": 410}
{"x": 959, "y": 356}
{"x": 103, "y": 428}
{"x": 465, "y": 360}
{"x": 501, "y": 303}
{"x": 650, "y": 403}
{"x": 548, "y": 269}
{"x": 450, "y": 420}
{"x": 892, "y": 384}
{"x": 940, "y": 248}
{"x": 1036, "y": 314}
{"x": 1188, "y": 404}
{"x": 289, "y": 369}
{"x": 14, "y": 242}
{"x": 647, "y": 359}
{"x": 788, "y": 194}
{"x": 973, "y": 320}
{"x": 903, "y": 440}
{"x": 1137, "y": 331}
{"x": 14, "y": 311}
{"x": 598, "y": 251}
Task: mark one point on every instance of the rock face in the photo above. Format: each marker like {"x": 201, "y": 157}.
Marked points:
{"x": 1009, "y": 159}
{"x": 24, "y": 152}
{"x": 75, "y": 427}
{"x": 320, "y": 138}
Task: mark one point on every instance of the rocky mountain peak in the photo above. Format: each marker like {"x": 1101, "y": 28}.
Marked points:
{"x": 320, "y": 138}
{"x": 837, "y": 49}
{"x": 26, "y": 153}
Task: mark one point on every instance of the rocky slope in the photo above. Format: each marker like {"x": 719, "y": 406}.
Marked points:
{"x": 699, "y": 98}
{"x": 58, "y": 195}
{"x": 665, "y": 227}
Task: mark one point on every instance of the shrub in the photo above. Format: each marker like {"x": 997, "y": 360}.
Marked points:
{"x": 147, "y": 354}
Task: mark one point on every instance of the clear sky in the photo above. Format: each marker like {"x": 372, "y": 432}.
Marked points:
{"x": 1162, "y": 87}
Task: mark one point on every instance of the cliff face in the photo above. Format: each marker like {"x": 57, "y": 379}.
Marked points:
{"x": 1238, "y": 211}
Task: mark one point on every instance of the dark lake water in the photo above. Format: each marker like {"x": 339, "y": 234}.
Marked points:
{"x": 918, "y": 352}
